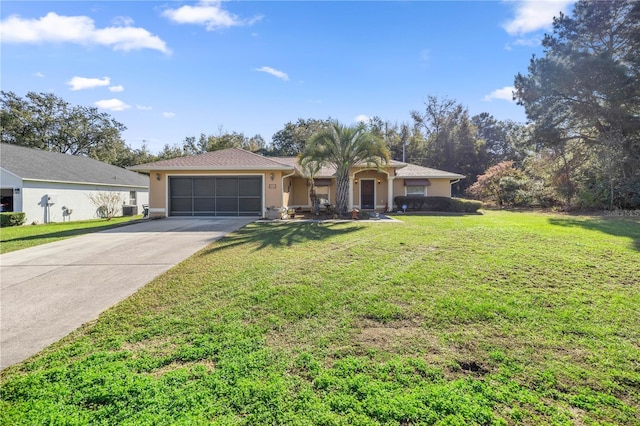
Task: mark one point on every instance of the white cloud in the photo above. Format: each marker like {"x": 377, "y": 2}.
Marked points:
{"x": 38, "y": 74}
{"x": 505, "y": 94}
{"x": 425, "y": 55}
{"x": 535, "y": 15}
{"x": 124, "y": 21}
{"x": 81, "y": 83}
{"x": 274, "y": 72}
{"x": 144, "y": 108}
{"x": 534, "y": 41}
{"x": 168, "y": 114}
{"x": 79, "y": 30}
{"x": 208, "y": 13}
{"x": 112, "y": 105}
{"x": 118, "y": 88}
{"x": 362, "y": 118}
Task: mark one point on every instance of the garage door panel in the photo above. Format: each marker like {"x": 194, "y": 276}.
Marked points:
{"x": 181, "y": 204}
{"x": 204, "y": 187}
{"x": 181, "y": 186}
{"x": 204, "y": 205}
{"x": 250, "y": 187}
{"x": 227, "y": 187}
{"x": 227, "y": 205}
{"x": 250, "y": 205}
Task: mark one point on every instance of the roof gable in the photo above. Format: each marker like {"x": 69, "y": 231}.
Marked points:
{"x": 224, "y": 159}
{"x": 36, "y": 164}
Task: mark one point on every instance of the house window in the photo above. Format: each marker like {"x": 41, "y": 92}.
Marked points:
{"x": 322, "y": 192}
{"x": 416, "y": 190}
{"x": 132, "y": 198}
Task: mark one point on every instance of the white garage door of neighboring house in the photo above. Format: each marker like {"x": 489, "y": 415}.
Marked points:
{"x": 215, "y": 196}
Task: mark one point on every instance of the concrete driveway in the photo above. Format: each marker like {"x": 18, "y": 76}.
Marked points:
{"x": 50, "y": 290}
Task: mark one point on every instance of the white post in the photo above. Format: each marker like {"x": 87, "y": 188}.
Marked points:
{"x": 350, "y": 193}
{"x": 390, "y": 191}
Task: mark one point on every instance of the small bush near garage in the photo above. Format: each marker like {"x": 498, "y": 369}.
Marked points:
{"x": 437, "y": 204}
{"x": 12, "y": 219}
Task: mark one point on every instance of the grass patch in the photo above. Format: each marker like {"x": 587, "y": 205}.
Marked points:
{"x": 21, "y": 237}
{"x": 505, "y": 318}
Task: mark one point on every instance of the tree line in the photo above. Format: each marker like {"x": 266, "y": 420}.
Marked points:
{"x": 579, "y": 149}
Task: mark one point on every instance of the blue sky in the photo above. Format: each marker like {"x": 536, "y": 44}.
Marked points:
{"x": 168, "y": 70}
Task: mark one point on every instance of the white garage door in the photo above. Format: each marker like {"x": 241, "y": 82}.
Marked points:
{"x": 215, "y": 196}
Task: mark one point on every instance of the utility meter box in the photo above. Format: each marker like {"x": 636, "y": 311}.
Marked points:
{"x": 52, "y": 199}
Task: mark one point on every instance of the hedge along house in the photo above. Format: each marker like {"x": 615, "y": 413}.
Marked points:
{"x": 53, "y": 187}
{"x": 235, "y": 182}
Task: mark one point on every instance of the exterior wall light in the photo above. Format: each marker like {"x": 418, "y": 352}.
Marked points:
{"x": 157, "y": 176}
{"x": 271, "y": 176}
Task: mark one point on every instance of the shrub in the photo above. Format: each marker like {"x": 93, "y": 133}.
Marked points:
{"x": 503, "y": 184}
{"x": 437, "y": 204}
{"x": 12, "y": 219}
{"x": 108, "y": 204}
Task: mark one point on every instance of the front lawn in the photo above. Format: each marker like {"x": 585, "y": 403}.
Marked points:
{"x": 20, "y": 237}
{"x": 502, "y": 318}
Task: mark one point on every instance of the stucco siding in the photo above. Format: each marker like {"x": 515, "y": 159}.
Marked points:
{"x": 299, "y": 193}
{"x": 69, "y": 196}
{"x": 439, "y": 188}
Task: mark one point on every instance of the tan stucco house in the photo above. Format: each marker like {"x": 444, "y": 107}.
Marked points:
{"x": 235, "y": 182}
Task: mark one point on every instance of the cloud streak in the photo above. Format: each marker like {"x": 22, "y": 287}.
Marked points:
{"x": 274, "y": 72}
{"x": 81, "y": 30}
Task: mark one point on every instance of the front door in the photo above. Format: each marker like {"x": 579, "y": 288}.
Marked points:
{"x": 367, "y": 194}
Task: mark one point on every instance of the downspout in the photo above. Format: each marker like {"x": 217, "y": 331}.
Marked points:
{"x": 451, "y": 183}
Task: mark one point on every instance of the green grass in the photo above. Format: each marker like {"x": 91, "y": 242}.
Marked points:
{"x": 502, "y": 318}
{"x": 20, "y": 237}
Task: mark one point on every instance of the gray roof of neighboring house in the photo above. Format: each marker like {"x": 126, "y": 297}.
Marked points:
{"x": 39, "y": 165}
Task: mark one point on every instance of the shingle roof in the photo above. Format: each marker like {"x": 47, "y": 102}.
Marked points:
{"x": 224, "y": 159}
{"x": 240, "y": 159}
{"x": 328, "y": 170}
{"x": 413, "y": 170}
{"x": 35, "y": 164}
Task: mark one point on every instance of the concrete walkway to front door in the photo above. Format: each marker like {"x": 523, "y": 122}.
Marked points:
{"x": 50, "y": 290}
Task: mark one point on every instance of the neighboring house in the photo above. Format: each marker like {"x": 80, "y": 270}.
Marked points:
{"x": 235, "y": 182}
{"x": 53, "y": 187}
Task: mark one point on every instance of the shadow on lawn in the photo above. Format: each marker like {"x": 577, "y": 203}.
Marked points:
{"x": 282, "y": 234}
{"x": 67, "y": 233}
{"x": 629, "y": 228}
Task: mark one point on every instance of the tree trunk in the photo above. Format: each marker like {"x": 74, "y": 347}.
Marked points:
{"x": 342, "y": 191}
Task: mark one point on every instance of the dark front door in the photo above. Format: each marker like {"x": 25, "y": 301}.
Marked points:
{"x": 367, "y": 194}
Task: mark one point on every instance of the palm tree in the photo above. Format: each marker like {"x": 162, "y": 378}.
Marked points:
{"x": 309, "y": 170}
{"x": 344, "y": 147}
